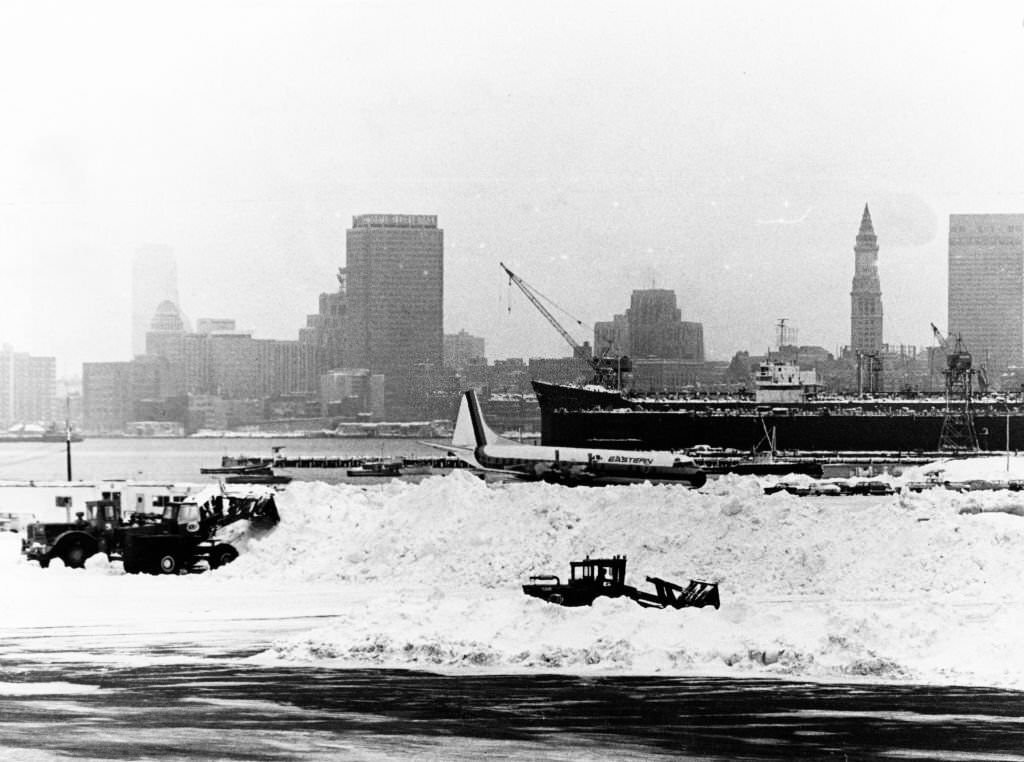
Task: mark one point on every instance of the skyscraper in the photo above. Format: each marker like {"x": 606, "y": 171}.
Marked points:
{"x": 154, "y": 280}
{"x": 166, "y": 339}
{"x": 986, "y": 287}
{"x": 655, "y": 327}
{"x": 27, "y": 387}
{"x": 325, "y": 331}
{"x": 611, "y": 337}
{"x": 394, "y": 276}
{"x": 461, "y": 349}
{"x": 866, "y": 294}
{"x": 106, "y": 396}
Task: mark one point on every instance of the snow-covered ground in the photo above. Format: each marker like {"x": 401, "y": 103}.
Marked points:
{"x": 918, "y": 586}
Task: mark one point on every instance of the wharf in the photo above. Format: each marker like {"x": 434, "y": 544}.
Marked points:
{"x": 873, "y": 461}
{"x": 327, "y": 461}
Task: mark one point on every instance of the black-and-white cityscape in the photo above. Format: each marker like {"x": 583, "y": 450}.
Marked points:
{"x": 384, "y": 380}
{"x": 376, "y": 349}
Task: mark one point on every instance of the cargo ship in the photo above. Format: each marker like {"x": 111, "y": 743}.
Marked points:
{"x": 781, "y": 410}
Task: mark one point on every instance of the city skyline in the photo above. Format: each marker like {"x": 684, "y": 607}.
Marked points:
{"x": 586, "y": 332}
{"x": 723, "y": 153}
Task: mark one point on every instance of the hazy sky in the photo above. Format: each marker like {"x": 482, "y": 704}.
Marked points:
{"x": 724, "y": 150}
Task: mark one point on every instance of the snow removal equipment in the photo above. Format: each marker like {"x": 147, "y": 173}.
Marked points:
{"x": 592, "y": 578}
{"x": 200, "y": 527}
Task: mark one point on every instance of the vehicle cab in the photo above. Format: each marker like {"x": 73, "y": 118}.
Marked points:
{"x": 185, "y": 517}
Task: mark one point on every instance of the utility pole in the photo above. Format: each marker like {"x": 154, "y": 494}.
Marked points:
{"x": 67, "y": 431}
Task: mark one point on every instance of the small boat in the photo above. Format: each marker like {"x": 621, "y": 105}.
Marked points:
{"x": 766, "y": 462}
{"x": 258, "y": 478}
{"x": 377, "y": 467}
{"x": 249, "y": 470}
{"x": 416, "y": 469}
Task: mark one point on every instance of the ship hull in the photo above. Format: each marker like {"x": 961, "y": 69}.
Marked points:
{"x": 574, "y": 421}
{"x": 651, "y": 430}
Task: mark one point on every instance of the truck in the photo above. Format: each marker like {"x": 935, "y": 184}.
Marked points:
{"x": 189, "y": 529}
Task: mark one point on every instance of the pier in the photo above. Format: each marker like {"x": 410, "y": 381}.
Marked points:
{"x": 329, "y": 461}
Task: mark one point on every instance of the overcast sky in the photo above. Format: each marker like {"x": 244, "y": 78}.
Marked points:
{"x": 723, "y": 150}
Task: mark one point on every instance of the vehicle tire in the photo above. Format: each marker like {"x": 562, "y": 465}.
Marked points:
{"x": 167, "y": 564}
{"x": 73, "y": 554}
{"x": 222, "y": 555}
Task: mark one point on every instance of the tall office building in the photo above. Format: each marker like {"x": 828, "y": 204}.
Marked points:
{"x": 154, "y": 280}
{"x": 286, "y": 367}
{"x": 394, "y": 279}
{"x": 166, "y": 339}
{"x": 986, "y": 287}
{"x": 234, "y": 373}
{"x": 611, "y": 337}
{"x": 28, "y": 386}
{"x": 462, "y": 349}
{"x": 325, "y": 330}
{"x": 655, "y": 328}
{"x": 106, "y": 396}
{"x": 866, "y": 293}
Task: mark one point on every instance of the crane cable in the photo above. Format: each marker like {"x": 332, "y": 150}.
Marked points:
{"x": 547, "y": 299}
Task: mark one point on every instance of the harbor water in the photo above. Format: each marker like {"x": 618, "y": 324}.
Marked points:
{"x": 179, "y": 459}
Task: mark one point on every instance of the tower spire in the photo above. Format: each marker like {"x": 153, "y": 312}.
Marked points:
{"x": 866, "y": 304}
{"x": 865, "y": 221}
{"x": 866, "y": 234}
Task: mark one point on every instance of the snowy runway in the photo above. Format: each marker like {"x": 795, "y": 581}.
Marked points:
{"x": 386, "y": 622}
{"x": 227, "y": 710}
{"x": 914, "y": 587}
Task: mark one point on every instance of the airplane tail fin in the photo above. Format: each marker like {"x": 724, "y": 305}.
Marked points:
{"x": 471, "y": 430}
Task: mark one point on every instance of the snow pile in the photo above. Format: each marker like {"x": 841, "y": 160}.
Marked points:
{"x": 456, "y": 532}
{"x": 892, "y": 587}
{"x": 918, "y": 586}
{"x": 998, "y": 468}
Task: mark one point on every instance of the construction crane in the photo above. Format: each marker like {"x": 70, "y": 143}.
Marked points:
{"x": 958, "y": 431}
{"x": 606, "y": 370}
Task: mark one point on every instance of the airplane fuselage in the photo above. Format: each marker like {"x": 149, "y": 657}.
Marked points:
{"x": 590, "y": 466}
{"x": 476, "y": 443}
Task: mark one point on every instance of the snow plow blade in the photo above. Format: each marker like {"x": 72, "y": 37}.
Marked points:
{"x": 670, "y": 595}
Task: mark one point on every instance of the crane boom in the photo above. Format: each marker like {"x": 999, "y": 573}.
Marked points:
{"x": 607, "y": 370}
{"x": 940, "y": 338}
{"x": 526, "y": 289}
{"x": 957, "y": 354}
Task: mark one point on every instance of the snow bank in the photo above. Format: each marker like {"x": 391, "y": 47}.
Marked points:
{"x": 893, "y": 587}
{"x": 994, "y": 468}
{"x": 919, "y": 587}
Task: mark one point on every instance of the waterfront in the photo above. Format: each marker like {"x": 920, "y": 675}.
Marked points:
{"x": 178, "y": 459}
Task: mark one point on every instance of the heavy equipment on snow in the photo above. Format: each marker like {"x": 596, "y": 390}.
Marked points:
{"x": 592, "y": 578}
{"x": 200, "y": 527}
